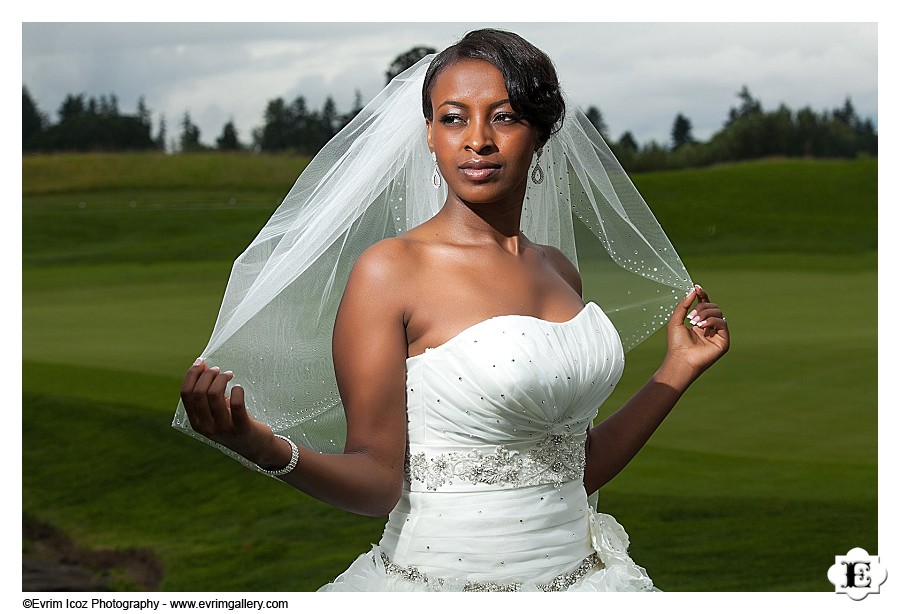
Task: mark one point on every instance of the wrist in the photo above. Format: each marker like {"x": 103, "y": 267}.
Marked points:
{"x": 675, "y": 374}
{"x": 277, "y": 455}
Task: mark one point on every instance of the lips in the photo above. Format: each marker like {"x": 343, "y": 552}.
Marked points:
{"x": 479, "y": 170}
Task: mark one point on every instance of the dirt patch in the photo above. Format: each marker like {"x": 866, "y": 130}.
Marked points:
{"x": 51, "y": 561}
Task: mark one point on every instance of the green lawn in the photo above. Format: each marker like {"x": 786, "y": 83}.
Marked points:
{"x": 121, "y": 284}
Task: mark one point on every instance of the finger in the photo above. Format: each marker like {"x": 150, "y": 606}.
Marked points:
{"x": 218, "y": 406}
{"x": 199, "y": 398}
{"x": 190, "y": 380}
{"x": 239, "y": 415}
{"x": 187, "y": 389}
{"x": 712, "y": 325}
{"x": 679, "y": 314}
{"x": 703, "y": 311}
{"x": 702, "y": 296}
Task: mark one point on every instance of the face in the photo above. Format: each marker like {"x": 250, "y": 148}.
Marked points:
{"x": 484, "y": 149}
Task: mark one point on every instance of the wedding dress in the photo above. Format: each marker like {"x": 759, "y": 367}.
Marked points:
{"x": 493, "y": 498}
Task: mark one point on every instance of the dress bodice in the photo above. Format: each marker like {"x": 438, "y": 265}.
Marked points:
{"x": 506, "y": 402}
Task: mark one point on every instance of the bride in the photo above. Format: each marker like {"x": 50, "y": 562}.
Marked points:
{"x": 468, "y": 366}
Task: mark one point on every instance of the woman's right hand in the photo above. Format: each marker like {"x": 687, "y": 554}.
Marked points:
{"x": 225, "y": 420}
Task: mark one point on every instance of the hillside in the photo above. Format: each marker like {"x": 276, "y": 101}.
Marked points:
{"x": 771, "y": 457}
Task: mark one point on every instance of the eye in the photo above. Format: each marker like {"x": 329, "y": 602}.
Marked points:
{"x": 507, "y": 117}
{"x": 450, "y": 119}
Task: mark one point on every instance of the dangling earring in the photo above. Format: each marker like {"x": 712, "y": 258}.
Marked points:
{"x": 537, "y": 175}
{"x": 435, "y": 176}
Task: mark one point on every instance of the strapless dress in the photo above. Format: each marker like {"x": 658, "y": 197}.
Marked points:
{"x": 493, "y": 498}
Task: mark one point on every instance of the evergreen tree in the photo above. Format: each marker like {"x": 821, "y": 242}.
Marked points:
{"x": 108, "y": 107}
{"x": 329, "y": 119}
{"x": 278, "y": 124}
{"x": 33, "y": 121}
{"x": 300, "y": 123}
{"x": 406, "y": 60}
{"x": 627, "y": 142}
{"x": 357, "y": 107}
{"x": 72, "y": 106}
{"x": 160, "y": 139}
{"x": 228, "y": 141}
{"x": 143, "y": 113}
{"x": 846, "y": 113}
{"x": 749, "y": 106}
{"x": 596, "y": 118}
{"x": 189, "y": 140}
{"x": 681, "y": 132}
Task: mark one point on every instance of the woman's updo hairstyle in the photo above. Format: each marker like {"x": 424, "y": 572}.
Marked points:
{"x": 528, "y": 72}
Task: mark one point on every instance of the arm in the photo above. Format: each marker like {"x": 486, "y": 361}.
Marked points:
{"x": 690, "y": 351}
{"x": 369, "y": 347}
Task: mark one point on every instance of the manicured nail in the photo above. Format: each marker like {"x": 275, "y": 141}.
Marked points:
{"x": 198, "y": 361}
{"x": 214, "y": 368}
{"x": 700, "y": 324}
{"x": 692, "y": 314}
{"x": 229, "y": 373}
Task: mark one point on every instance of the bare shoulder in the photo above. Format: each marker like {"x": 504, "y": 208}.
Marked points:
{"x": 388, "y": 261}
{"x": 382, "y": 275}
{"x": 563, "y": 266}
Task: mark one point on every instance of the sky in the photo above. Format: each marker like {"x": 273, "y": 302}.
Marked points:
{"x": 640, "y": 75}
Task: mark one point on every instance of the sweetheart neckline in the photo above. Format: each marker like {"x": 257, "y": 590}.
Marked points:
{"x": 480, "y": 323}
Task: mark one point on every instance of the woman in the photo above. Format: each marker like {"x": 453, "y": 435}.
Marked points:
{"x": 468, "y": 365}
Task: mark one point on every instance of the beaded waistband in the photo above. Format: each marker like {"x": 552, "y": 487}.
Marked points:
{"x": 559, "y": 583}
{"x": 554, "y": 459}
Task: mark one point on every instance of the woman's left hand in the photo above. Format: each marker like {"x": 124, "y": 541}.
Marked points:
{"x": 706, "y": 339}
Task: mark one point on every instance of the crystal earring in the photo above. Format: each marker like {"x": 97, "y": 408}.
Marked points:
{"x": 435, "y": 176}
{"x": 537, "y": 175}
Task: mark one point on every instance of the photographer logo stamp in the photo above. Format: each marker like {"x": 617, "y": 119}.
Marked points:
{"x": 857, "y": 574}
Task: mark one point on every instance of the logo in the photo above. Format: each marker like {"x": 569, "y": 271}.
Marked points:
{"x": 857, "y": 574}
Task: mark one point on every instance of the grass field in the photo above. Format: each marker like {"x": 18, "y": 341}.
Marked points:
{"x": 770, "y": 456}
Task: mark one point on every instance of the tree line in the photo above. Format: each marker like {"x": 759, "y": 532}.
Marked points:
{"x": 750, "y": 133}
{"x": 96, "y": 124}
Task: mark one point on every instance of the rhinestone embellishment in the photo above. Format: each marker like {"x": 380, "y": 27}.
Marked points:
{"x": 561, "y": 582}
{"x": 555, "y": 459}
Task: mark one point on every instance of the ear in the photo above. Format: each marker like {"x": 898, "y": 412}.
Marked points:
{"x": 428, "y": 132}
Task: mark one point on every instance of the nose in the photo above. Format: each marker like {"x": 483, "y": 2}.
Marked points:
{"x": 479, "y": 136}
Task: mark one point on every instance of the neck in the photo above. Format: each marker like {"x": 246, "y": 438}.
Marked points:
{"x": 497, "y": 222}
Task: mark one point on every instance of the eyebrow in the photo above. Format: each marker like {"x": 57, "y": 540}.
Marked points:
{"x": 456, "y": 103}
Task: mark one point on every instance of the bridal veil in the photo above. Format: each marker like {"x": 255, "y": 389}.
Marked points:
{"x": 373, "y": 181}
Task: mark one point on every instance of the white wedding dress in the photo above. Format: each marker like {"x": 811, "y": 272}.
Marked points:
{"x": 493, "y": 498}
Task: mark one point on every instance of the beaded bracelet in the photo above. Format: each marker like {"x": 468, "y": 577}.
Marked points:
{"x": 295, "y": 456}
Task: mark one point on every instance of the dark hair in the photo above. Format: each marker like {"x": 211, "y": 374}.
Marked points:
{"x": 528, "y": 73}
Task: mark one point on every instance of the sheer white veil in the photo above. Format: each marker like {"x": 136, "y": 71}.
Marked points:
{"x": 373, "y": 181}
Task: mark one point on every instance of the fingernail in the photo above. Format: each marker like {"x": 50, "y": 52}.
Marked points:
{"x": 229, "y": 373}
{"x": 700, "y": 324}
{"x": 692, "y": 314}
{"x": 198, "y": 361}
{"x": 214, "y": 368}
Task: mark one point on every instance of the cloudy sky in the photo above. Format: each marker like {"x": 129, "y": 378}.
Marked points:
{"x": 640, "y": 75}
